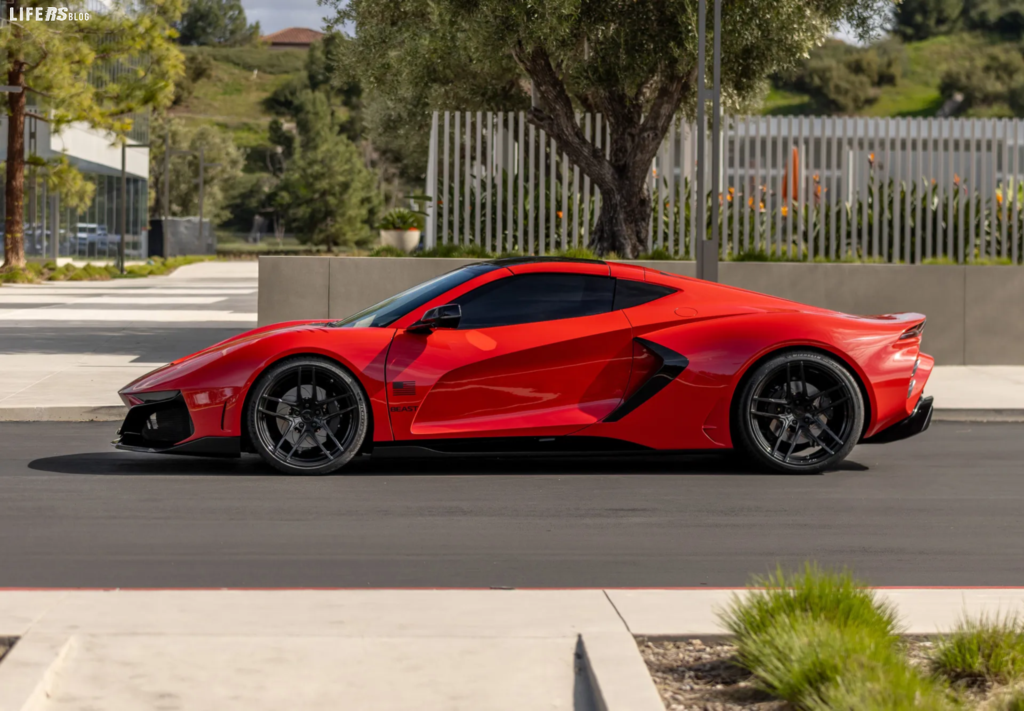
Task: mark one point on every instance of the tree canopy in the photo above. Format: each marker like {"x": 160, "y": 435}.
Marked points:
{"x": 325, "y": 192}
{"x": 100, "y": 69}
{"x": 634, "y": 61}
{"x": 216, "y": 22}
{"x": 218, "y": 182}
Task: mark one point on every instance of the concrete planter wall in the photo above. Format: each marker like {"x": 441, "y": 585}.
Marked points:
{"x": 974, "y": 313}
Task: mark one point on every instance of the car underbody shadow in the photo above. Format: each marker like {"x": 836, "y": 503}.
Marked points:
{"x": 686, "y": 464}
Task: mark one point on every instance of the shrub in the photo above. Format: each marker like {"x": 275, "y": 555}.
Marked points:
{"x": 401, "y": 219}
{"x": 891, "y": 685}
{"x": 387, "y": 250}
{"x": 990, "y": 80}
{"x": 578, "y": 253}
{"x": 823, "y": 642}
{"x": 198, "y": 66}
{"x": 841, "y": 78}
{"x": 658, "y": 254}
{"x": 796, "y": 657}
{"x": 62, "y": 273}
{"x": 834, "y": 597}
{"x": 985, "y": 650}
{"x": 1012, "y": 701}
{"x": 17, "y": 275}
{"x": 456, "y": 251}
{"x": 35, "y": 268}
{"x": 50, "y": 266}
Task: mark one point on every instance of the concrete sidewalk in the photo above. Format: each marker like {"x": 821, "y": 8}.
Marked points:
{"x": 66, "y": 348}
{"x": 385, "y": 649}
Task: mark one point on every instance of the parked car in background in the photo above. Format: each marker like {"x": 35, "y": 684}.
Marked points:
{"x": 93, "y": 240}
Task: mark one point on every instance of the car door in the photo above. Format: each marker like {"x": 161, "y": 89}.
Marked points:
{"x": 537, "y": 353}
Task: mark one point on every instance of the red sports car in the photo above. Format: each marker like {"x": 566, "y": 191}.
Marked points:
{"x": 546, "y": 355}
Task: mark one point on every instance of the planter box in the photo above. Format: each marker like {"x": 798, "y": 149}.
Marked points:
{"x": 972, "y": 311}
{"x": 405, "y": 240}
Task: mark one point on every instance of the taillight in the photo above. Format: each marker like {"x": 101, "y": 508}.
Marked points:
{"x": 913, "y": 331}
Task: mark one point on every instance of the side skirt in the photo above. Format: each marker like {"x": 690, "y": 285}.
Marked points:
{"x": 508, "y": 446}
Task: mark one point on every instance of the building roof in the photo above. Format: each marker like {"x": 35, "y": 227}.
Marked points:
{"x": 294, "y": 36}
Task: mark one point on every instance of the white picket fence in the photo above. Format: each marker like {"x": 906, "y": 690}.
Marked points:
{"x": 804, "y": 188}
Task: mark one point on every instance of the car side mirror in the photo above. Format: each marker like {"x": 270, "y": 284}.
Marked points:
{"x": 447, "y": 316}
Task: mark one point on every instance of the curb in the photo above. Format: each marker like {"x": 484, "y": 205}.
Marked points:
{"x": 64, "y": 413}
{"x": 618, "y": 675}
{"x": 978, "y": 415}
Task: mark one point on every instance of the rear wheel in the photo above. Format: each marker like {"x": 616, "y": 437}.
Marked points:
{"x": 800, "y": 412}
{"x": 307, "y": 415}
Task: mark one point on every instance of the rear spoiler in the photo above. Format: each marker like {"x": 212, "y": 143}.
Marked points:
{"x": 911, "y": 324}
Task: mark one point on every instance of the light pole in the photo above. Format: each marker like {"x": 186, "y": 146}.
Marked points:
{"x": 124, "y": 200}
{"x": 707, "y": 249}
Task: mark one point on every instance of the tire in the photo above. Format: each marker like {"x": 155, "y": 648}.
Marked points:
{"x": 800, "y": 412}
{"x": 307, "y": 415}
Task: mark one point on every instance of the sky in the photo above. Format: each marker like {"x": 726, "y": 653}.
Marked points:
{"x": 274, "y": 15}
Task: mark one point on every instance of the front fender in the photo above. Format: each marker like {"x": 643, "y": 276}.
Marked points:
{"x": 216, "y": 381}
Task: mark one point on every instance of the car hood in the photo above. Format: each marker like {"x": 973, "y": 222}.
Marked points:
{"x": 256, "y": 334}
{"x": 173, "y": 371}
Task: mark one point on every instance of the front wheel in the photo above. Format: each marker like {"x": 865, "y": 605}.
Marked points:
{"x": 307, "y": 415}
{"x": 800, "y": 412}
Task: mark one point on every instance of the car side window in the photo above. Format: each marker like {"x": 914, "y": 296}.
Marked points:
{"x": 530, "y": 298}
{"x": 634, "y": 293}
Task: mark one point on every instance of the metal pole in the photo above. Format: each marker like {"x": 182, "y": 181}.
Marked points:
{"x": 711, "y": 254}
{"x": 202, "y": 166}
{"x": 707, "y": 249}
{"x": 167, "y": 177}
{"x": 124, "y": 207}
{"x": 55, "y": 241}
{"x": 700, "y": 234}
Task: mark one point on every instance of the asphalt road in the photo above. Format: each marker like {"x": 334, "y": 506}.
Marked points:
{"x": 945, "y": 508}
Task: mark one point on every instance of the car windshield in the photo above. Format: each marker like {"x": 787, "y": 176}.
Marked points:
{"x": 390, "y": 310}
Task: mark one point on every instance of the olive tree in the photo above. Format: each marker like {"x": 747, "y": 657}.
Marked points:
{"x": 634, "y": 61}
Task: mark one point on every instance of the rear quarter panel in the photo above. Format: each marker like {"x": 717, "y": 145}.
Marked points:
{"x": 724, "y": 340}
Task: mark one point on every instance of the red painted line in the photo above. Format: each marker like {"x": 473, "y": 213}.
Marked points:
{"x": 478, "y": 589}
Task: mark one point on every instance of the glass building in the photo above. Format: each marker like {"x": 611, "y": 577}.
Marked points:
{"x": 95, "y": 231}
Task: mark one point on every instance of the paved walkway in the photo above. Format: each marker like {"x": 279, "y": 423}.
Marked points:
{"x": 379, "y": 650}
{"x": 67, "y": 347}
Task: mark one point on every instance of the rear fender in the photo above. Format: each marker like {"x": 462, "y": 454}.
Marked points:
{"x": 693, "y": 411}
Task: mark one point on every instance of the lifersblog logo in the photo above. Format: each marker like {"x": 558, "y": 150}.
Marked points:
{"x": 46, "y": 14}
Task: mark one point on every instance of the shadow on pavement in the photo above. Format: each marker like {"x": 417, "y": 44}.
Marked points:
{"x": 126, "y": 464}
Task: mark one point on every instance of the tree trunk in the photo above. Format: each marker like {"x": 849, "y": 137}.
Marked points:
{"x": 637, "y": 128}
{"x": 623, "y": 223}
{"x": 14, "y": 193}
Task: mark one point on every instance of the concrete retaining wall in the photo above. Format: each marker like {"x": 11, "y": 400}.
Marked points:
{"x": 974, "y": 313}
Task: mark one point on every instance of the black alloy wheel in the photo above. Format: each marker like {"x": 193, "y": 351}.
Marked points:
{"x": 800, "y": 412}
{"x": 307, "y": 415}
